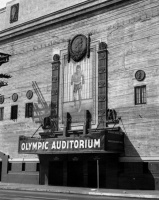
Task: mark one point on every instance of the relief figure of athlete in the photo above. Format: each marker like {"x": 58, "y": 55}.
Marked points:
{"x": 77, "y": 81}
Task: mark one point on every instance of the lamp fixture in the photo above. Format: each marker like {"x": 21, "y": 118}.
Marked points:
{"x": 4, "y": 58}
{"x": 2, "y": 83}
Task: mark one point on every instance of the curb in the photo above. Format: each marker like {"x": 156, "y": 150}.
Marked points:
{"x": 125, "y": 195}
{"x": 94, "y": 193}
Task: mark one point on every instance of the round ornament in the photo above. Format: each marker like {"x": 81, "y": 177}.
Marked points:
{"x": 140, "y": 75}
{"x": 15, "y": 97}
{"x": 29, "y": 94}
{"x": 1, "y": 99}
{"x": 56, "y": 57}
{"x": 78, "y": 47}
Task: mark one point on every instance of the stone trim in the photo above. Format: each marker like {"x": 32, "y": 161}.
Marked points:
{"x": 15, "y": 160}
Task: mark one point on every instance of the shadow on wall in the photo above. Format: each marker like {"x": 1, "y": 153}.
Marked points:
{"x": 0, "y": 166}
{"x": 41, "y": 109}
{"x": 3, "y": 166}
{"x": 136, "y": 175}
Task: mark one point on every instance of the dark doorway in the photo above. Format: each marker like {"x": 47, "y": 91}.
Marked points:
{"x": 0, "y": 170}
{"x": 92, "y": 174}
{"x": 75, "y": 174}
{"x": 102, "y": 174}
{"x": 55, "y": 173}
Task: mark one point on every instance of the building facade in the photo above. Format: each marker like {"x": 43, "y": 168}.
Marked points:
{"x": 82, "y": 93}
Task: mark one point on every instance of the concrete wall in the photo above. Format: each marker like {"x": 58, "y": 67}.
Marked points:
{"x": 33, "y": 9}
{"x": 28, "y": 175}
{"x": 131, "y": 33}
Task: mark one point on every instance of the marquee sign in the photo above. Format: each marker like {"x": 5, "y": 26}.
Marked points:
{"x": 54, "y": 145}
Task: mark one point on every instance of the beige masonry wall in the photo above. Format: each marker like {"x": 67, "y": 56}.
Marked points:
{"x": 131, "y": 33}
{"x": 33, "y": 9}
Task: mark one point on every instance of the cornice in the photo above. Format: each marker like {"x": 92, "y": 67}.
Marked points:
{"x": 77, "y": 10}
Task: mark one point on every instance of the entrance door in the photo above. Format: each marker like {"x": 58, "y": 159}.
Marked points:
{"x": 75, "y": 174}
{"x": 92, "y": 174}
{"x": 55, "y": 173}
{"x": 0, "y": 170}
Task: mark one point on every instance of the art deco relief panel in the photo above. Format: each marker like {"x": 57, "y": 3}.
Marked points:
{"x": 78, "y": 87}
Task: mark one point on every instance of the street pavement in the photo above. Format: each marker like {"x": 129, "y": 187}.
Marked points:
{"x": 134, "y": 194}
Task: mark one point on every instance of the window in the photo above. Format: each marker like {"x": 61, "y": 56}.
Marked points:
{"x": 29, "y": 110}
{"x": 37, "y": 167}
{"x": 47, "y": 123}
{"x": 140, "y": 95}
{"x": 1, "y": 113}
{"x": 9, "y": 166}
{"x": 14, "y": 13}
{"x": 14, "y": 112}
{"x": 23, "y": 166}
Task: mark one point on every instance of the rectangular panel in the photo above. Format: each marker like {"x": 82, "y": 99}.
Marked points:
{"x": 78, "y": 88}
{"x": 95, "y": 142}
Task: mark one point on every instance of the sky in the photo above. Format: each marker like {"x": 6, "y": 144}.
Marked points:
{"x": 3, "y": 3}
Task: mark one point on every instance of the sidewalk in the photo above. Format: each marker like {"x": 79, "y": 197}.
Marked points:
{"x": 147, "y": 194}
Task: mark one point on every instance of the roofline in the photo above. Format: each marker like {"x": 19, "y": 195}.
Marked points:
{"x": 56, "y": 17}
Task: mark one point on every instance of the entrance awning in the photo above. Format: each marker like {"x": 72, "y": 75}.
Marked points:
{"x": 103, "y": 141}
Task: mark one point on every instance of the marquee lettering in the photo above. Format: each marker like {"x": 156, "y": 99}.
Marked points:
{"x": 61, "y": 145}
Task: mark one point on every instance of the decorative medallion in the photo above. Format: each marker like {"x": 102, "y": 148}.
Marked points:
{"x": 102, "y": 46}
{"x": 56, "y": 57}
{"x": 1, "y": 99}
{"x": 14, "y": 13}
{"x": 15, "y": 97}
{"x": 29, "y": 94}
{"x": 78, "y": 47}
{"x": 140, "y": 75}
